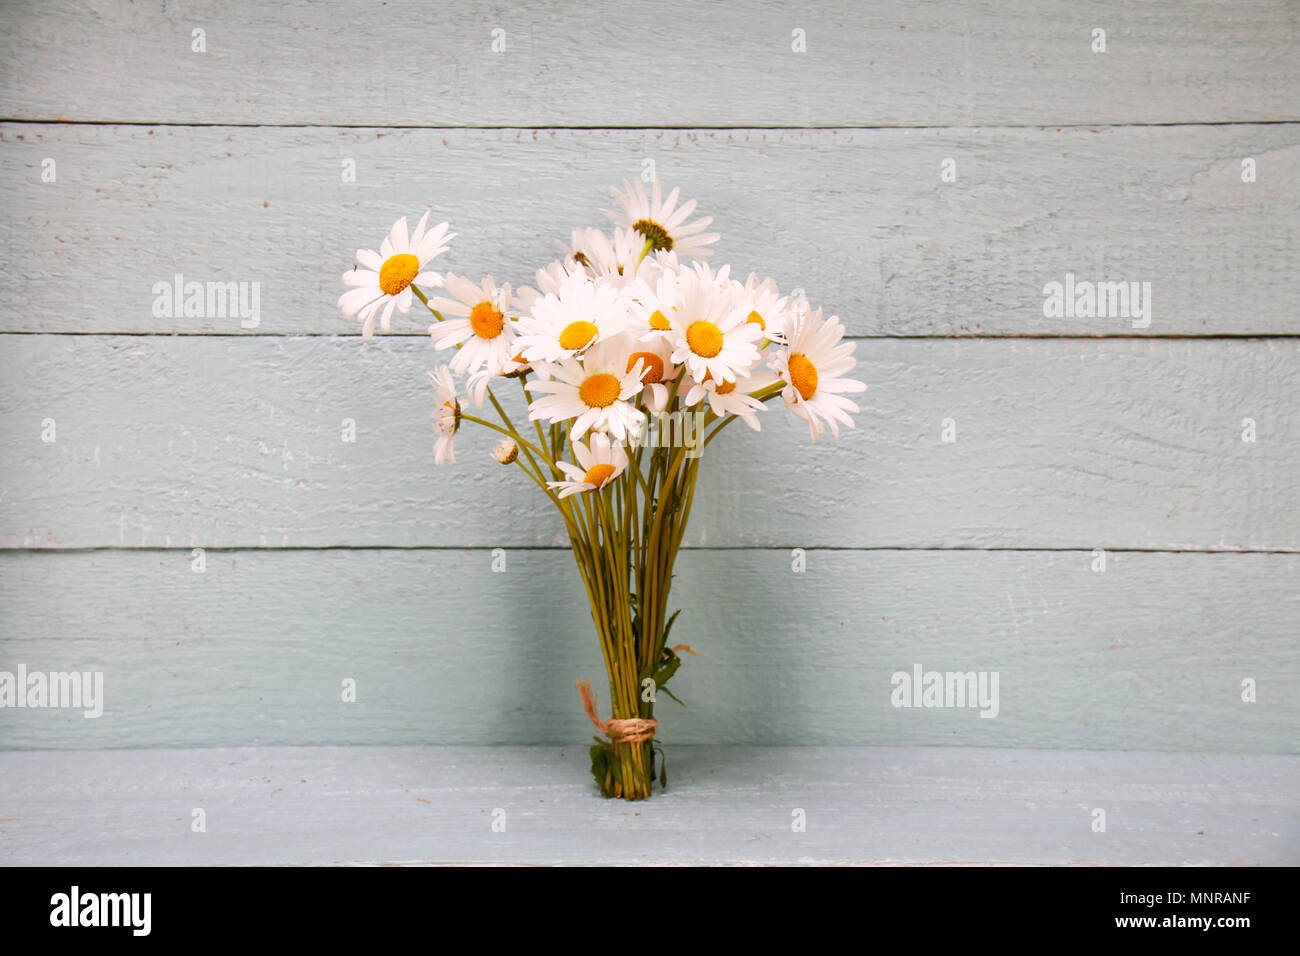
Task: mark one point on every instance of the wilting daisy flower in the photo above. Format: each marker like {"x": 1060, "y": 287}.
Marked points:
{"x": 386, "y": 279}
{"x": 446, "y": 416}
{"x": 601, "y": 464}
{"x": 767, "y": 307}
{"x": 505, "y": 451}
{"x": 596, "y": 392}
{"x": 481, "y": 328}
{"x": 811, "y": 365}
{"x": 659, "y": 221}
{"x": 564, "y": 324}
{"x": 708, "y": 332}
{"x": 733, "y": 398}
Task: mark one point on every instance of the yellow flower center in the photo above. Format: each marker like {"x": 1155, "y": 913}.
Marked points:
{"x": 704, "y": 338}
{"x": 600, "y": 390}
{"x": 659, "y": 321}
{"x": 803, "y": 375}
{"x": 654, "y": 366}
{"x": 398, "y": 272}
{"x": 598, "y": 474}
{"x": 577, "y": 335}
{"x": 486, "y": 321}
{"x": 725, "y": 388}
{"x": 755, "y": 317}
{"x": 655, "y": 233}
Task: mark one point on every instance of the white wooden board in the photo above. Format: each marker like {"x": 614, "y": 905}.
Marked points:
{"x": 1152, "y": 653}
{"x": 606, "y": 63}
{"x": 224, "y": 442}
{"x": 725, "y": 805}
{"x": 860, "y": 220}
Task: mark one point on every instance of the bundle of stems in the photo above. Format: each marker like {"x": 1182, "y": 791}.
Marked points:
{"x": 625, "y": 538}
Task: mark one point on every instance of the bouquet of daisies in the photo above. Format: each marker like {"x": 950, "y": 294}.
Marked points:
{"x": 632, "y": 354}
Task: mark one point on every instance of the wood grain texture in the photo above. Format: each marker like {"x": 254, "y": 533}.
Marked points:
{"x": 228, "y": 442}
{"x": 671, "y": 64}
{"x": 1150, "y": 654}
{"x": 858, "y": 219}
{"x": 725, "y": 805}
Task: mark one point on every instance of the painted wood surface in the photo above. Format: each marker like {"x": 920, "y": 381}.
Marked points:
{"x": 725, "y": 805}
{"x": 1150, "y": 654}
{"x": 223, "y": 442}
{"x": 176, "y": 432}
{"x": 860, "y": 220}
{"x": 606, "y": 63}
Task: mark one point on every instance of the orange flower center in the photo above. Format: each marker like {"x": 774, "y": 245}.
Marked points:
{"x": 486, "y": 321}
{"x": 577, "y": 335}
{"x": 755, "y": 317}
{"x": 654, "y": 366}
{"x": 600, "y": 390}
{"x": 725, "y": 388}
{"x": 398, "y": 272}
{"x": 803, "y": 375}
{"x": 659, "y": 321}
{"x": 704, "y": 338}
{"x": 598, "y": 474}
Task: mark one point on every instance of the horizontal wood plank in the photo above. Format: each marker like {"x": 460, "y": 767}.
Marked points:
{"x": 229, "y": 442}
{"x": 725, "y": 805}
{"x": 607, "y": 63}
{"x": 858, "y": 219}
{"x": 1149, "y": 654}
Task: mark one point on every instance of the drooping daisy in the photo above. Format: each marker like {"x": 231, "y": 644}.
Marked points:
{"x": 446, "y": 415}
{"x": 566, "y": 323}
{"x": 659, "y": 221}
{"x": 600, "y": 464}
{"x": 385, "y": 281}
{"x": 767, "y": 306}
{"x": 811, "y": 365}
{"x": 596, "y": 392}
{"x": 481, "y": 327}
{"x": 733, "y": 398}
{"x": 708, "y": 331}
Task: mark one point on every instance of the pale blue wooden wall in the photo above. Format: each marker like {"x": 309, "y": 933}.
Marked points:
{"x": 329, "y": 560}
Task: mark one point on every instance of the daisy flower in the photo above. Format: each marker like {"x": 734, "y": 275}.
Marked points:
{"x": 653, "y": 302}
{"x": 708, "y": 332}
{"x": 596, "y": 392}
{"x": 446, "y": 416}
{"x": 811, "y": 365}
{"x": 662, "y": 222}
{"x": 563, "y": 324}
{"x": 602, "y": 255}
{"x": 600, "y": 464}
{"x": 480, "y": 329}
{"x": 549, "y": 280}
{"x": 385, "y": 281}
{"x": 767, "y": 307}
{"x": 657, "y": 369}
{"x": 733, "y": 398}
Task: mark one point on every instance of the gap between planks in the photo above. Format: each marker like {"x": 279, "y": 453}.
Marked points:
{"x": 29, "y": 121}
{"x": 685, "y": 547}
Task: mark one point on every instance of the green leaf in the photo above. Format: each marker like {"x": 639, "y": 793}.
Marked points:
{"x": 602, "y": 754}
{"x": 668, "y": 629}
{"x": 673, "y": 696}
